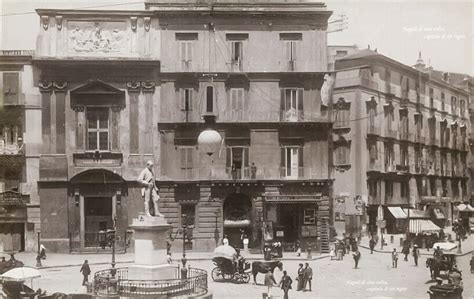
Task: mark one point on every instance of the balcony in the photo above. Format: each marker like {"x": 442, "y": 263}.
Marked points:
{"x": 390, "y": 168}
{"x": 11, "y": 148}
{"x": 291, "y": 115}
{"x": 405, "y": 136}
{"x": 374, "y": 166}
{"x": 291, "y": 65}
{"x": 13, "y": 198}
{"x": 356, "y": 81}
{"x": 419, "y": 138}
{"x": 220, "y": 173}
{"x": 391, "y": 134}
{"x": 236, "y": 65}
{"x": 402, "y": 168}
{"x": 373, "y": 130}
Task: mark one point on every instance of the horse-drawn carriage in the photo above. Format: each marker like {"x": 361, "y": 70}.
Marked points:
{"x": 445, "y": 263}
{"x": 227, "y": 270}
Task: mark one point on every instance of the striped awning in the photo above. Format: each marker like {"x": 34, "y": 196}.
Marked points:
{"x": 423, "y": 226}
{"x": 397, "y": 212}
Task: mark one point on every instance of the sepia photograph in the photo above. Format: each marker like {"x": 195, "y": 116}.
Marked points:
{"x": 273, "y": 149}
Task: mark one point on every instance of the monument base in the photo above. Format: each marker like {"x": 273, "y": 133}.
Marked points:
{"x": 145, "y": 272}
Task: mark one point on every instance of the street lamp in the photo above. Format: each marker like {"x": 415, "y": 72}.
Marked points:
{"x": 187, "y": 235}
{"x": 216, "y": 230}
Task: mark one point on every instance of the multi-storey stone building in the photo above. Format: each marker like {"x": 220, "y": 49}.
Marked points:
{"x": 119, "y": 88}
{"x": 400, "y": 141}
{"x": 97, "y": 72}
{"x": 259, "y": 68}
{"x": 19, "y": 109}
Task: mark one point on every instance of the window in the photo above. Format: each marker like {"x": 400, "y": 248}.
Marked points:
{"x": 373, "y": 188}
{"x": 236, "y": 103}
{"x": 236, "y": 55}
{"x": 237, "y": 162}
{"x": 442, "y": 102}
{"x": 186, "y": 45}
{"x": 404, "y": 124}
{"x": 292, "y": 104}
{"x": 186, "y": 99}
{"x": 340, "y": 54}
{"x": 11, "y": 88}
{"x": 342, "y": 115}
{"x": 431, "y": 97}
{"x": 372, "y": 117}
{"x": 404, "y": 190}
{"x": 309, "y": 216}
{"x": 462, "y": 104}
{"x": 433, "y": 186}
{"x": 210, "y": 99}
{"x": 292, "y": 162}
{"x": 418, "y": 159}
{"x": 403, "y": 156}
{"x": 186, "y": 161}
{"x": 373, "y": 152}
{"x": 188, "y": 215}
{"x": 454, "y": 105}
{"x": 97, "y": 129}
{"x": 388, "y": 189}
{"x": 342, "y": 153}
{"x": 290, "y": 42}
{"x": 388, "y": 156}
{"x": 389, "y": 119}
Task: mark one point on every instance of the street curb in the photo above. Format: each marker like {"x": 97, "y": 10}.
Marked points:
{"x": 385, "y": 251}
{"x": 188, "y": 259}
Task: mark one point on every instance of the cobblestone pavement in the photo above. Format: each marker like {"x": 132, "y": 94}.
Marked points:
{"x": 332, "y": 279}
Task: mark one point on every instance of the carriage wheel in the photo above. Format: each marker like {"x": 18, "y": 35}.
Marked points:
{"x": 228, "y": 276}
{"x": 216, "y": 274}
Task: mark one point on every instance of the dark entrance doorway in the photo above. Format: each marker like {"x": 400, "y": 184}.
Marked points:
{"x": 289, "y": 220}
{"x": 237, "y": 219}
{"x": 97, "y": 217}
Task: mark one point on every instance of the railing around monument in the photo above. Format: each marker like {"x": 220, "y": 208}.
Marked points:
{"x": 195, "y": 284}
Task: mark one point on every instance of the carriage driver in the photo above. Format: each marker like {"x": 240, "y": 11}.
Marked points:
{"x": 238, "y": 260}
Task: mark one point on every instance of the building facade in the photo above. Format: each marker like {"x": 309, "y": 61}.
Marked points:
{"x": 119, "y": 88}
{"x": 400, "y": 142}
{"x": 19, "y": 202}
{"x": 97, "y": 73}
{"x": 259, "y": 68}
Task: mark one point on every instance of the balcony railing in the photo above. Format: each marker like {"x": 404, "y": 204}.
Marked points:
{"x": 373, "y": 130}
{"x": 402, "y": 168}
{"x": 270, "y": 116}
{"x": 419, "y": 138}
{"x": 404, "y": 136}
{"x": 390, "y": 168}
{"x": 356, "y": 81}
{"x": 247, "y": 173}
{"x": 391, "y": 134}
{"x": 193, "y": 285}
{"x": 10, "y": 149}
{"x": 374, "y": 166}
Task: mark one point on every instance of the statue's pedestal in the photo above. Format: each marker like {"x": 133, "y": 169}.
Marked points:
{"x": 150, "y": 237}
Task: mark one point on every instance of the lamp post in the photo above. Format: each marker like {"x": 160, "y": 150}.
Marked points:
{"x": 186, "y": 233}
{"x": 38, "y": 257}
{"x": 216, "y": 230}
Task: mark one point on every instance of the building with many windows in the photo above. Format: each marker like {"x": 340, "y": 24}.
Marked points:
{"x": 400, "y": 141}
{"x": 259, "y": 68}
{"x": 19, "y": 110}
{"x": 119, "y": 88}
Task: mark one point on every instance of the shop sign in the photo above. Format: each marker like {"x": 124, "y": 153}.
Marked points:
{"x": 11, "y": 198}
{"x": 280, "y": 233}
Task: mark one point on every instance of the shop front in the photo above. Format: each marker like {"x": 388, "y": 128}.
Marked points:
{"x": 13, "y": 218}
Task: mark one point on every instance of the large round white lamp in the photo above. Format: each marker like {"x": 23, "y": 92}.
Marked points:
{"x": 209, "y": 140}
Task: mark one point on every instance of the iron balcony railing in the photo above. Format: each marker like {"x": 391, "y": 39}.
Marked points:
{"x": 11, "y": 148}
{"x": 246, "y": 173}
{"x": 373, "y": 130}
{"x": 389, "y": 133}
{"x": 193, "y": 285}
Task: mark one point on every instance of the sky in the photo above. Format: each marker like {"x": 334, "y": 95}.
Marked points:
{"x": 442, "y": 30}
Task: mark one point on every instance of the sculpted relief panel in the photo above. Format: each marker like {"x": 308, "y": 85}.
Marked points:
{"x": 98, "y": 37}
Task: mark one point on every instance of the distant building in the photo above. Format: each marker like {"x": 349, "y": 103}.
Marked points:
{"x": 400, "y": 141}
{"x": 19, "y": 139}
{"x": 337, "y": 52}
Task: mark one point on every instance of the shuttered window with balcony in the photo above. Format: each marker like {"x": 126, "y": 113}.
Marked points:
{"x": 186, "y": 161}
{"x": 291, "y": 104}
{"x": 291, "y": 162}
{"x": 11, "y": 88}
{"x": 237, "y": 162}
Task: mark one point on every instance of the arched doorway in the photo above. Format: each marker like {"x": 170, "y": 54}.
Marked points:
{"x": 237, "y": 218}
{"x": 97, "y": 196}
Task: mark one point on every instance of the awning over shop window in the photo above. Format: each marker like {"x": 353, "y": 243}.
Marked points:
{"x": 397, "y": 212}
{"x": 464, "y": 208}
{"x": 418, "y": 214}
{"x": 423, "y": 226}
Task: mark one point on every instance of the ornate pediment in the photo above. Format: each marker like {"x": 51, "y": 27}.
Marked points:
{"x": 97, "y": 93}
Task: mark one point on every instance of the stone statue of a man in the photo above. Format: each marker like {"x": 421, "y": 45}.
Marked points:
{"x": 149, "y": 189}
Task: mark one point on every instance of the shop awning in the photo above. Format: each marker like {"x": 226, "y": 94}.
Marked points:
{"x": 465, "y": 208}
{"x": 236, "y": 223}
{"x": 423, "y": 226}
{"x": 397, "y": 212}
{"x": 417, "y": 214}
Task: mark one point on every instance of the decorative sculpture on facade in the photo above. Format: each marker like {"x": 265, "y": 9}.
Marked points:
{"x": 98, "y": 37}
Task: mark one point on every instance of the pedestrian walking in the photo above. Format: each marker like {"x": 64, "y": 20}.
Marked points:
{"x": 86, "y": 271}
{"x": 300, "y": 278}
{"x": 225, "y": 241}
{"x": 298, "y": 248}
{"x": 42, "y": 252}
{"x": 347, "y": 242}
{"x": 269, "y": 283}
{"x": 372, "y": 245}
{"x": 416, "y": 254}
{"x": 394, "y": 258}
{"x": 406, "y": 250}
{"x": 285, "y": 284}
{"x": 472, "y": 263}
{"x": 356, "y": 256}
{"x": 308, "y": 276}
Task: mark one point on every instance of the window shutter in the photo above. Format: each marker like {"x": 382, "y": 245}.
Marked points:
{"x": 282, "y": 99}
{"x": 288, "y": 50}
{"x": 245, "y": 97}
{"x": 300, "y": 156}
{"x": 300, "y": 100}
{"x": 282, "y": 158}
{"x": 246, "y": 156}
{"x": 189, "y": 56}
{"x": 228, "y": 159}
{"x": 11, "y": 86}
{"x": 182, "y": 98}
{"x": 293, "y": 50}
{"x": 182, "y": 157}
{"x": 182, "y": 47}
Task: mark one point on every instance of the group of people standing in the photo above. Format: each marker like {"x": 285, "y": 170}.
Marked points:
{"x": 304, "y": 278}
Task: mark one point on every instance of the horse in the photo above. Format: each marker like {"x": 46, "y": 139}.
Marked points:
{"x": 437, "y": 266}
{"x": 265, "y": 267}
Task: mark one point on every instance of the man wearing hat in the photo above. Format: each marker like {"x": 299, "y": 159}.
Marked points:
{"x": 149, "y": 189}
{"x": 416, "y": 254}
